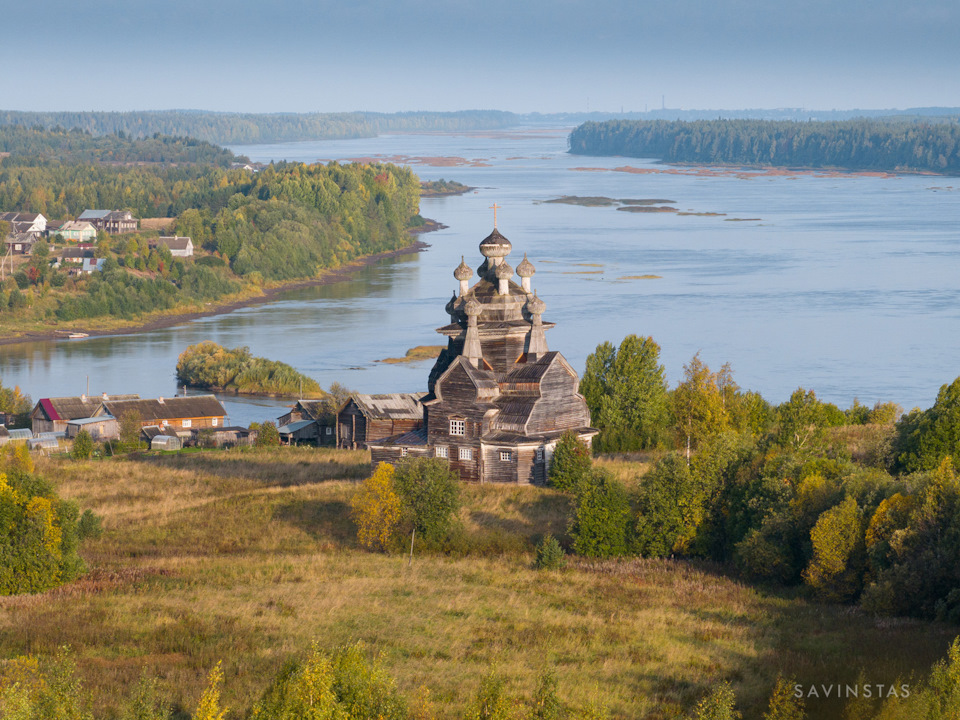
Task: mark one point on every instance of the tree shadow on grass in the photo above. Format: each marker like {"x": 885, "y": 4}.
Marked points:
{"x": 264, "y": 470}
{"x": 324, "y": 520}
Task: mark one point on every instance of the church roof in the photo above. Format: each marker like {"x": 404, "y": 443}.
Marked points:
{"x": 391, "y": 406}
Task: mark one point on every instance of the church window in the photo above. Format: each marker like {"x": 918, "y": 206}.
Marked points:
{"x": 441, "y": 451}
{"x": 466, "y": 453}
{"x": 458, "y": 427}
{"x": 505, "y": 455}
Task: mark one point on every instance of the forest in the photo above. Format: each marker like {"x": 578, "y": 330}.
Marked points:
{"x": 860, "y": 506}
{"x": 247, "y": 128}
{"x": 863, "y": 144}
{"x": 286, "y": 222}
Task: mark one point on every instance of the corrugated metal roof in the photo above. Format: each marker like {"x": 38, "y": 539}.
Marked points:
{"x": 91, "y": 420}
{"x": 93, "y": 214}
{"x": 294, "y": 426}
{"x": 392, "y": 406}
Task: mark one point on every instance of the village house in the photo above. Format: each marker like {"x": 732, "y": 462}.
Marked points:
{"x": 366, "y": 418}
{"x": 72, "y": 231}
{"x": 170, "y": 414}
{"x": 498, "y": 398}
{"x": 20, "y": 243}
{"x": 22, "y": 222}
{"x": 178, "y": 246}
{"x": 53, "y": 414}
{"x": 113, "y": 222}
{"x": 313, "y": 423}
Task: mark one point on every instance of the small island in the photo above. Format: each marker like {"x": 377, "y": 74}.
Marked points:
{"x": 211, "y": 366}
{"x": 442, "y": 188}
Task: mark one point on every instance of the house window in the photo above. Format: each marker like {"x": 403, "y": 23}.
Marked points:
{"x": 458, "y": 427}
{"x": 505, "y": 456}
{"x": 538, "y": 455}
{"x": 214, "y": 422}
{"x": 403, "y": 452}
{"x": 441, "y": 451}
{"x": 329, "y": 431}
{"x": 187, "y": 423}
{"x": 466, "y": 453}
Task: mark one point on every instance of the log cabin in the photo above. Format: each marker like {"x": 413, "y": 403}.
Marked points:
{"x": 498, "y": 399}
{"x": 367, "y": 418}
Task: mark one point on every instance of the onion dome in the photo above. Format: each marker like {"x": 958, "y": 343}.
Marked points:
{"x": 535, "y": 306}
{"x": 525, "y": 269}
{"x": 451, "y": 306}
{"x": 495, "y": 245}
{"x": 503, "y": 271}
{"x": 463, "y": 271}
{"x": 473, "y": 308}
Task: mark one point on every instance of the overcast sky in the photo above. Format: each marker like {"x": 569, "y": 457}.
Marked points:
{"x": 520, "y": 55}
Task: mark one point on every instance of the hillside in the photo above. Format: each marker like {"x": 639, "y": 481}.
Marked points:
{"x": 249, "y": 557}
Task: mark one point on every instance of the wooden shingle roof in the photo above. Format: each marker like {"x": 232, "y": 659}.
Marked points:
{"x": 391, "y": 406}
{"x": 72, "y": 408}
{"x": 192, "y": 406}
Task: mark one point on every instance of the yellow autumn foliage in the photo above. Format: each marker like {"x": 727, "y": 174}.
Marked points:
{"x": 376, "y": 508}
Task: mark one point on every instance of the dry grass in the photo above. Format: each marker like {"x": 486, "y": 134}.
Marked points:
{"x": 248, "y": 557}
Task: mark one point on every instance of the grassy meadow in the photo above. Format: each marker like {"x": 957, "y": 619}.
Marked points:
{"x": 249, "y": 557}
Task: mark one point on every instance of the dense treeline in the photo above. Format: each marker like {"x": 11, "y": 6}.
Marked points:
{"x": 286, "y": 222}
{"x": 34, "y": 145}
{"x": 214, "y": 367}
{"x": 858, "y": 505}
{"x": 248, "y": 128}
{"x": 853, "y": 144}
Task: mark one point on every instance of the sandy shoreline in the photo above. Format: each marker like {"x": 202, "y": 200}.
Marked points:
{"x": 269, "y": 294}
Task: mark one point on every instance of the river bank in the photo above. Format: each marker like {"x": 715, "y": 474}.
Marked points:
{"x": 267, "y": 295}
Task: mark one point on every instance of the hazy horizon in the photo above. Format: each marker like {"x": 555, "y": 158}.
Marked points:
{"x": 443, "y": 55}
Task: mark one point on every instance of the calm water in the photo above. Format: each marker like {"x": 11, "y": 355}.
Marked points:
{"x": 847, "y": 285}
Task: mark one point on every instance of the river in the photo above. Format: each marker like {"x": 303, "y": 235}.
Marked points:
{"x": 841, "y": 283}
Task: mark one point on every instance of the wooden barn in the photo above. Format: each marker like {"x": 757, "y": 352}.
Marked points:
{"x": 99, "y": 428}
{"x": 171, "y": 414}
{"x": 367, "y": 418}
{"x": 498, "y": 398}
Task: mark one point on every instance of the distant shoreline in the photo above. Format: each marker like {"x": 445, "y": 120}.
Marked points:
{"x": 329, "y": 277}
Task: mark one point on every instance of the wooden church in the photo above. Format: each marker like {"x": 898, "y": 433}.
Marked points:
{"x": 498, "y": 399}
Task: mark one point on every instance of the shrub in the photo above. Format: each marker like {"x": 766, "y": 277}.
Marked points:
{"x": 570, "y": 464}
{"x": 345, "y": 685}
{"x": 666, "y": 500}
{"x": 38, "y": 536}
{"x": 550, "y": 555}
{"x": 430, "y": 493}
{"x": 491, "y": 701}
{"x": 784, "y": 704}
{"x": 718, "y": 705}
{"x": 376, "y": 508}
{"x": 601, "y": 521}
{"x": 82, "y": 446}
{"x": 267, "y": 436}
